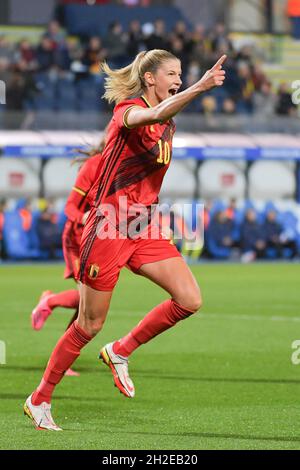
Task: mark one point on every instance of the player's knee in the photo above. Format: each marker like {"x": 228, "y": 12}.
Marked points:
{"x": 192, "y": 300}
{"x": 195, "y": 303}
{"x": 93, "y": 327}
{"x": 91, "y": 322}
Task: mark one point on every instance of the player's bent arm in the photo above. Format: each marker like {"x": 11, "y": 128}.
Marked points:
{"x": 138, "y": 116}
{"x": 71, "y": 208}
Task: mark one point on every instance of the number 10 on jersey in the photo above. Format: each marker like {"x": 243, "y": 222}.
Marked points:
{"x": 164, "y": 152}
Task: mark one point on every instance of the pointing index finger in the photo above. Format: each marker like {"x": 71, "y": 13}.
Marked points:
{"x": 218, "y": 65}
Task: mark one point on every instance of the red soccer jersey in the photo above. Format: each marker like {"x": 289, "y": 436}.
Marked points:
{"x": 135, "y": 160}
{"x": 79, "y": 200}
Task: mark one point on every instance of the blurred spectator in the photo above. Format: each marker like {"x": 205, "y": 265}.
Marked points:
{"x": 228, "y": 107}
{"x": 135, "y": 39}
{"x": 220, "y": 235}
{"x": 220, "y": 39}
{"x": 209, "y": 105}
{"x": 245, "y": 89}
{"x": 116, "y": 44}
{"x": 264, "y": 100}
{"x": 272, "y": 230}
{"x": 293, "y": 12}
{"x": 231, "y": 210}
{"x": 258, "y": 76}
{"x": 20, "y": 90}
{"x": 198, "y": 47}
{"x": 253, "y": 241}
{"x": 45, "y": 54}
{"x": 20, "y": 86}
{"x": 245, "y": 55}
{"x": 180, "y": 30}
{"x": 24, "y": 210}
{"x": 55, "y": 34}
{"x": 285, "y": 105}
{"x": 26, "y": 55}
{"x": 193, "y": 70}
{"x": 177, "y": 48}
{"x": 76, "y": 53}
{"x": 275, "y": 237}
{"x": 94, "y": 54}
{"x": 48, "y": 231}
{"x": 158, "y": 39}
{"x": 2, "y": 218}
{"x": 6, "y": 50}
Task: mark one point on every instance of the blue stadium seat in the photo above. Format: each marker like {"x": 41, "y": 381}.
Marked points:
{"x": 89, "y": 93}
{"x": 215, "y": 250}
{"x": 18, "y": 243}
{"x": 62, "y": 218}
{"x": 46, "y": 99}
{"x": 44, "y": 102}
{"x": 67, "y": 96}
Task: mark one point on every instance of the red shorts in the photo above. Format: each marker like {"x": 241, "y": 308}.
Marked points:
{"x": 71, "y": 251}
{"x": 101, "y": 260}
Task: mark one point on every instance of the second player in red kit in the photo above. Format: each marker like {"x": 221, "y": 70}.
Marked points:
{"x": 77, "y": 209}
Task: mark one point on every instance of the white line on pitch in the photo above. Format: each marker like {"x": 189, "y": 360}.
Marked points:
{"x": 248, "y": 317}
{"x": 224, "y": 316}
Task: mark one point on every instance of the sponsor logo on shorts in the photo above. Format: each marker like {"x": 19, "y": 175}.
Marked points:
{"x": 93, "y": 271}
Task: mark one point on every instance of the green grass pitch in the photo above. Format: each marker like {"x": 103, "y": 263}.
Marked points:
{"x": 223, "y": 379}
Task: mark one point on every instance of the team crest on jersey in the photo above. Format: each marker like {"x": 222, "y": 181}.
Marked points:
{"x": 93, "y": 271}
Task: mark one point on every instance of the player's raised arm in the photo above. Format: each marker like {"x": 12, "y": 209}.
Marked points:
{"x": 170, "y": 106}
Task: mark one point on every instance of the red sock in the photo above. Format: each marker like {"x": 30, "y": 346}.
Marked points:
{"x": 64, "y": 354}
{"x": 160, "y": 319}
{"x": 66, "y": 299}
{"x": 125, "y": 346}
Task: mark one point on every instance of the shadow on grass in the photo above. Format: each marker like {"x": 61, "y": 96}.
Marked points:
{"x": 205, "y": 435}
{"x": 22, "y": 397}
{"x": 153, "y": 374}
{"x": 23, "y": 368}
{"x": 198, "y": 435}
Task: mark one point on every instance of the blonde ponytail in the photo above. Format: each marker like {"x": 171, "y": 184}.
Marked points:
{"x": 128, "y": 81}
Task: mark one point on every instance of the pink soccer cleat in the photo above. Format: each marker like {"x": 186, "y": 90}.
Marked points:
{"x": 71, "y": 373}
{"x": 41, "y": 312}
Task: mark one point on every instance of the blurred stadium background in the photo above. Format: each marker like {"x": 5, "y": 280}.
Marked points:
{"x": 237, "y": 149}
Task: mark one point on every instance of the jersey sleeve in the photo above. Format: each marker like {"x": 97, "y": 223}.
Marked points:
{"x": 121, "y": 111}
{"x": 74, "y": 208}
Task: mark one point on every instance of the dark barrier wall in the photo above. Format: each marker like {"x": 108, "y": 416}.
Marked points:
{"x": 4, "y": 11}
{"x": 31, "y": 12}
{"x": 86, "y": 20}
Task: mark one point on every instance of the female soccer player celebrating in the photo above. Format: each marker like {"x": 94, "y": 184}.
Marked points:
{"x": 136, "y": 157}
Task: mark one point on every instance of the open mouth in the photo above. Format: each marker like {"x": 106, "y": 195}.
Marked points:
{"x": 172, "y": 91}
